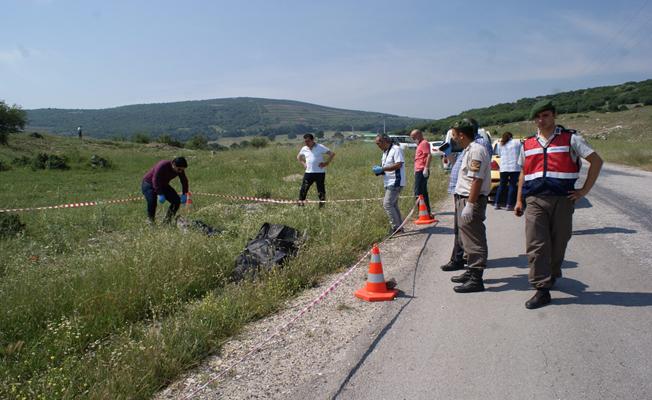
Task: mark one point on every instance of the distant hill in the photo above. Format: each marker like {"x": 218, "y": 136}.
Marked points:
{"x": 212, "y": 118}
{"x": 600, "y": 99}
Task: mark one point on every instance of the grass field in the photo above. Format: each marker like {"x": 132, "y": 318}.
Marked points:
{"x": 623, "y": 137}
{"x": 97, "y": 305}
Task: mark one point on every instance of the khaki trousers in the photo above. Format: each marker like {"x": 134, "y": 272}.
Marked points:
{"x": 548, "y": 228}
{"x": 473, "y": 234}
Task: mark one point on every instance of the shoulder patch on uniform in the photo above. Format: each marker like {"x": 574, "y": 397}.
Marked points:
{"x": 475, "y": 165}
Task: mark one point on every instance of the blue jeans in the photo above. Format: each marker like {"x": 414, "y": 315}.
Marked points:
{"x": 508, "y": 180}
{"x": 150, "y": 196}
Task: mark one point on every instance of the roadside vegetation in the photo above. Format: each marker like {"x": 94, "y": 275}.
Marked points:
{"x": 98, "y": 305}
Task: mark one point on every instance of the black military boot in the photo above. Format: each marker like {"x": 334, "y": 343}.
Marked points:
{"x": 462, "y": 278}
{"x": 452, "y": 266}
{"x": 474, "y": 284}
{"x": 540, "y": 299}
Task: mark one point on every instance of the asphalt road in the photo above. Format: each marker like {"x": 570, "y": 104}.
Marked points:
{"x": 593, "y": 342}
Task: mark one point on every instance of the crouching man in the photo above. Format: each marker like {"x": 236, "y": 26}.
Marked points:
{"x": 156, "y": 186}
{"x": 471, "y": 191}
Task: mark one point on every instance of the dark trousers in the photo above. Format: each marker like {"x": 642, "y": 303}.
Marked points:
{"x": 508, "y": 180}
{"x": 421, "y": 187}
{"x": 151, "y": 198}
{"x": 548, "y": 228}
{"x": 473, "y": 234}
{"x": 314, "y": 177}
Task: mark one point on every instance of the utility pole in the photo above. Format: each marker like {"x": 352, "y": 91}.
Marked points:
{"x": 384, "y": 126}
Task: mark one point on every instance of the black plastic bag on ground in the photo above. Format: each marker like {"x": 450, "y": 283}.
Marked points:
{"x": 273, "y": 245}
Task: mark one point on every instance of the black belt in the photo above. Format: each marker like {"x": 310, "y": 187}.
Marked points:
{"x": 459, "y": 196}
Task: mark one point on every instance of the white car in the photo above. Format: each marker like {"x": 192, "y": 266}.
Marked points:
{"x": 404, "y": 141}
{"x": 434, "y": 150}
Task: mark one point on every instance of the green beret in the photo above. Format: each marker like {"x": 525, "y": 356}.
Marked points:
{"x": 465, "y": 125}
{"x": 541, "y": 105}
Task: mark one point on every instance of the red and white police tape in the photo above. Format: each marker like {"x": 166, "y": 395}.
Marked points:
{"x": 307, "y": 308}
{"x": 226, "y": 196}
{"x": 70, "y": 205}
{"x": 282, "y": 201}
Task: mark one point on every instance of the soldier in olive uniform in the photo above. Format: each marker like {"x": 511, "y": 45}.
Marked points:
{"x": 550, "y": 163}
{"x": 471, "y": 191}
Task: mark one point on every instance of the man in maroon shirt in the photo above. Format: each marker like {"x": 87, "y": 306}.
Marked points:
{"x": 156, "y": 183}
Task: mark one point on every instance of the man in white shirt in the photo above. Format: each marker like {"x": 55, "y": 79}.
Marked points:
{"x": 392, "y": 168}
{"x": 311, "y": 157}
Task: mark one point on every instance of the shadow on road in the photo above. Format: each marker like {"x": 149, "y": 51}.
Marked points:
{"x": 520, "y": 262}
{"x": 446, "y": 213}
{"x": 580, "y": 295}
{"x": 606, "y": 229}
{"x": 583, "y": 203}
{"x": 576, "y": 289}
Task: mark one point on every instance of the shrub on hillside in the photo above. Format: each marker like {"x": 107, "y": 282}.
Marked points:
{"x": 21, "y": 161}
{"x": 259, "y": 142}
{"x": 10, "y": 225}
{"x": 218, "y": 147}
{"x": 167, "y": 139}
{"x": 198, "y": 142}
{"x": 49, "y": 161}
{"x": 4, "y": 166}
{"x": 140, "y": 138}
{"x": 36, "y": 135}
{"x": 292, "y": 136}
{"x": 99, "y": 162}
{"x": 4, "y": 138}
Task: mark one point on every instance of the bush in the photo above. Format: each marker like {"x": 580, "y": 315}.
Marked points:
{"x": 10, "y": 225}
{"x": 167, "y": 139}
{"x": 49, "y": 161}
{"x": 36, "y": 135}
{"x": 140, "y": 138}
{"x": 4, "y": 136}
{"x": 217, "y": 147}
{"x": 21, "y": 161}
{"x": 198, "y": 142}
{"x": 292, "y": 136}
{"x": 259, "y": 142}
{"x": 3, "y": 166}
{"x": 99, "y": 162}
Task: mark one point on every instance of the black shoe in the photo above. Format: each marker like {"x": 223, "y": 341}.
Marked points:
{"x": 452, "y": 266}
{"x": 462, "y": 278}
{"x": 474, "y": 284}
{"x": 540, "y": 299}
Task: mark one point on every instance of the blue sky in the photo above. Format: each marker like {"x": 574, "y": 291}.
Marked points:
{"x": 416, "y": 58}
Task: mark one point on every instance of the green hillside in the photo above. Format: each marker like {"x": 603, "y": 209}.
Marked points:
{"x": 212, "y": 118}
{"x": 600, "y": 99}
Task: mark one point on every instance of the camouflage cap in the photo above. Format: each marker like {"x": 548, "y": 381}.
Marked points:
{"x": 541, "y": 105}
{"x": 465, "y": 125}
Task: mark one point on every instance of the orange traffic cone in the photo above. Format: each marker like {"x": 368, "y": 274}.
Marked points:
{"x": 424, "y": 217}
{"x": 189, "y": 200}
{"x": 376, "y": 287}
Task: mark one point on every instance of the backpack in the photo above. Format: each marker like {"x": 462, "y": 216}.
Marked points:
{"x": 273, "y": 245}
